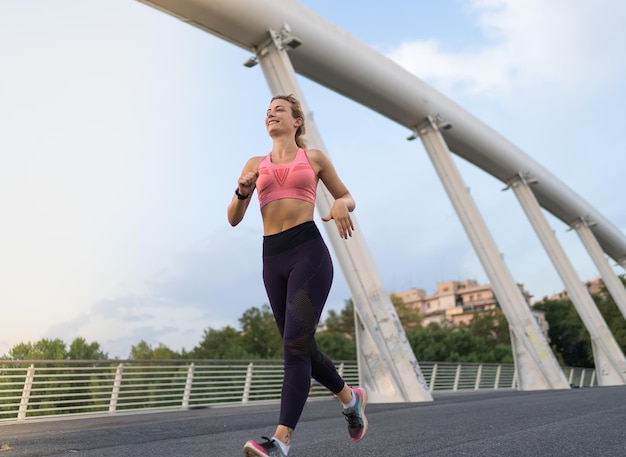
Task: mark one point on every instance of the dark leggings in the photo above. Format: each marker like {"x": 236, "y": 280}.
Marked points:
{"x": 298, "y": 273}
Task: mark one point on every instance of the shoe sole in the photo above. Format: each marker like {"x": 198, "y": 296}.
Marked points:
{"x": 250, "y": 451}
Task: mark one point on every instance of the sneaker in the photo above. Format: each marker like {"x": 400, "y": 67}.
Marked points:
{"x": 267, "y": 449}
{"x": 355, "y": 415}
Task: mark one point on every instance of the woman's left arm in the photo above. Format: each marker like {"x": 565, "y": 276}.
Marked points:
{"x": 344, "y": 204}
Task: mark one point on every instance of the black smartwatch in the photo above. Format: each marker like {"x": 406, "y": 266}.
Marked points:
{"x": 239, "y": 196}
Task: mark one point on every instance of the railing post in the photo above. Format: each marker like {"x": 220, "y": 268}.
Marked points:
{"x": 571, "y": 376}
{"x": 117, "y": 384}
{"x": 496, "y": 383}
{"x": 582, "y": 378}
{"x": 433, "y": 377}
{"x": 479, "y": 374}
{"x": 457, "y": 375}
{"x": 593, "y": 378}
{"x": 28, "y": 386}
{"x": 188, "y": 384}
{"x": 248, "y": 384}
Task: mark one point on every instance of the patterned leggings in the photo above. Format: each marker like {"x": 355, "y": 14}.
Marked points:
{"x": 298, "y": 273}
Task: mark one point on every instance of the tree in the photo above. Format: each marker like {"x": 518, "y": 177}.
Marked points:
{"x": 162, "y": 352}
{"x": 568, "y": 335}
{"x": 614, "y": 318}
{"x": 143, "y": 351}
{"x": 409, "y": 316}
{"x": 56, "y": 349}
{"x": 336, "y": 346}
{"x": 491, "y": 326}
{"x": 44, "y": 349}
{"x": 342, "y": 323}
{"x": 258, "y": 339}
{"x": 260, "y": 336}
{"x": 221, "y": 344}
{"x": 81, "y": 350}
{"x": 449, "y": 343}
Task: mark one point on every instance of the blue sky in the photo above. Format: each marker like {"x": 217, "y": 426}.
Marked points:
{"x": 123, "y": 131}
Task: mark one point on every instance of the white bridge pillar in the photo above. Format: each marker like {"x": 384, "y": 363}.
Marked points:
{"x": 612, "y": 282}
{"x": 536, "y": 366}
{"x": 609, "y": 359}
{"x": 388, "y": 368}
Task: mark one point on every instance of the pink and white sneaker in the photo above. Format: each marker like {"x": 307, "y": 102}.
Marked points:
{"x": 355, "y": 415}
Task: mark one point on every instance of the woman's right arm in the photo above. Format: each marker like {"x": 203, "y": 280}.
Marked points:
{"x": 245, "y": 186}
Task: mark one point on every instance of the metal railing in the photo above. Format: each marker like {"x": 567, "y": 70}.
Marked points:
{"x": 37, "y": 389}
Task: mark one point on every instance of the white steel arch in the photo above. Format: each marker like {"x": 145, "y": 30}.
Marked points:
{"x": 339, "y": 61}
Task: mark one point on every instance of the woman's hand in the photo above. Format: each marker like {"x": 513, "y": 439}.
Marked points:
{"x": 341, "y": 215}
{"x": 245, "y": 186}
{"x": 246, "y": 182}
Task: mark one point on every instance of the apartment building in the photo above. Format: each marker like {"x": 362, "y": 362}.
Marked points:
{"x": 594, "y": 286}
{"x": 455, "y": 301}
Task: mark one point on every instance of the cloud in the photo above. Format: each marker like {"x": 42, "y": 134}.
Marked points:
{"x": 209, "y": 284}
{"x": 563, "y": 44}
{"x": 119, "y": 323}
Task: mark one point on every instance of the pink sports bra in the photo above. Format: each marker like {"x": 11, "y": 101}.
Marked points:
{"x": 295, "y": 179}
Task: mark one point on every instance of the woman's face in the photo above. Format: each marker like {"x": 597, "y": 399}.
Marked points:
{"x": 279, "y": 118}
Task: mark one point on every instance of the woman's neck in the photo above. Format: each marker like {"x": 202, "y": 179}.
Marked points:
{"x": 283, "y": 147}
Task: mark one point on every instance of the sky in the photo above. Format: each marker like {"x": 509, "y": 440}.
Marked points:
{"x": 123, "y": 131}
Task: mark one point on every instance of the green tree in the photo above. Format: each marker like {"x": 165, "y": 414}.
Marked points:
{"x": 409, "y": 316}
{"x": 140, "y": 351}
{"x": 44, "y": 349}
{"x": 491, "y": 326}
{"x": 568, "y": 336}
{"x": 144, "y": 351}
{"x": 260, "y": 336}
{"x": 449, "y": 343}
{"x": 343, "y": 322}
{"x": 81, "y": 350}
{"x": 221, "y": 344}
{"x": 162, "y": 352}
{"x": 258, "y": 339}
{"x": 428, "y": 343}
{"x": 613, "y": 316}
{"x": 336, "y": 346}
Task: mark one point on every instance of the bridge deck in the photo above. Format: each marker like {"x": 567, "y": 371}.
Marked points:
{"x": 579, "y": 422}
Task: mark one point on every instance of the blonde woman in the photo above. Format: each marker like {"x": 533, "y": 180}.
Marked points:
{"x": 297, "y": 267}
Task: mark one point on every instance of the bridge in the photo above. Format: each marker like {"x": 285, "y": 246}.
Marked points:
{"x": 210, "y": 408}
{"x": 541, "y": 414}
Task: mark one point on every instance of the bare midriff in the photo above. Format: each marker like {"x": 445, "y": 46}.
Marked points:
{"x": 284, "y": 214}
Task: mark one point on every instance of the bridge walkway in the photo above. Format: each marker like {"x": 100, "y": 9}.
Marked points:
{"x": 588, "y": 422}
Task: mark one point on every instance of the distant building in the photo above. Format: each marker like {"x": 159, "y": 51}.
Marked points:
{"x": 594, "y": 286}
{"x": 454, "y": 301}
{"x": 458, "y": 302}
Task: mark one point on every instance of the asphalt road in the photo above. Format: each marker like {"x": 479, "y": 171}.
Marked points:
{"x": 585, "y": 422}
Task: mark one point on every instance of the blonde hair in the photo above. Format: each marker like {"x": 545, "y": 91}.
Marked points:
{"x": 296, "y": 112}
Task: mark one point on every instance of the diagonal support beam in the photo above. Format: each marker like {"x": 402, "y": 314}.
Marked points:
{"x": 609, "y": 359}
{"x": 537, "y": 368}
{"x": 612, "y": 282}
